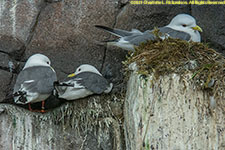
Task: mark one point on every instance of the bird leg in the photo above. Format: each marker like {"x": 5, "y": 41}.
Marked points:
{"x": 43, "y": 106}
{"x": 30, "y": 109}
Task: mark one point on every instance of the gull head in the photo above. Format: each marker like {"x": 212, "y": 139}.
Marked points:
{"x": 87, "y": 68}
{"x": 186, "y": 23}
{"x": 37, "y": 60}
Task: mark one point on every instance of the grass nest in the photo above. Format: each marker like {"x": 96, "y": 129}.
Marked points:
{"x": 163, "y": 57}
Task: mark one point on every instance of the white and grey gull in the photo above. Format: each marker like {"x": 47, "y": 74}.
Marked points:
{"x": 182, "y": 26}
{"x": 85, "y": 81}
{"x": 35, "y": 82}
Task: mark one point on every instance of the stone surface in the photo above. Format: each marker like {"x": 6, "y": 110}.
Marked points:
{"x": 170, "y": 113}
{"x": 212, "y": 21}
{"x": 17, "y": 17}
{"x": 5, "y": 81}
{"x": 4, "y": 64}
{"x": 66, "y": 33}
{"x": 74, "y": 126}
{"x": 113, "y": 68}
{"x": 145, "y": 17}
{"x": 12, "y": 46}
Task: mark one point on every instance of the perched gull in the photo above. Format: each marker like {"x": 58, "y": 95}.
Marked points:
{"x": 35, "y": 82}
{"x": 182, "y": 26}
{"x": 86, "y": 80}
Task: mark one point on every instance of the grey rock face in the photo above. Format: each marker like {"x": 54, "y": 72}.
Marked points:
{"x": 70, "y": 127}
{"x": 17, "y": 20}
{"x": 11, "y": 46}
{"x": 18, "y": 17}
{"x": 212, "y": 21}
{"x": 64, "y": 31}
{"x": 4, "y": 60}
{"x": 144, "y": 17}
{"x": 5, "y": 78}
{"x": 157, "y": 116}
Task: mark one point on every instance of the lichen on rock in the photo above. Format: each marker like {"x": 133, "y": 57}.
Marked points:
{"x": 87, "y": 123}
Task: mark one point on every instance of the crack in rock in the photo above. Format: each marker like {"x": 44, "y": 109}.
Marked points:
{"x": 121, "y": 6}
{"x": 103, "y": 59}
{"x": 1, "y": 51}
{"x": 34, "y": 25}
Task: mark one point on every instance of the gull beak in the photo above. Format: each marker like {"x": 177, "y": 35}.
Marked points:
{"x": 71, "y": 75}
{"x": 52, "y": 69}
{"x": 197, "y": 28}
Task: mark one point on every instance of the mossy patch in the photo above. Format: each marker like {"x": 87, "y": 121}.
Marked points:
{"x": 163, "y": 57}
{"x": 97, "y": 115}
{"x": 87, "y": 114}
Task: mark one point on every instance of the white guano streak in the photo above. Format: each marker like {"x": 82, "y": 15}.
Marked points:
{"x": 13, "y": 16}
{"x": 2, "y": 7}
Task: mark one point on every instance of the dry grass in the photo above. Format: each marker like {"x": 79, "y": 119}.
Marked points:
{"x": 178, "y": 56}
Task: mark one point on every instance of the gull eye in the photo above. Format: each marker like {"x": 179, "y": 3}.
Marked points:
{"x": 79, "y": 69}
{"x": 184, "y": 25}
{"x": 48, "y": 62}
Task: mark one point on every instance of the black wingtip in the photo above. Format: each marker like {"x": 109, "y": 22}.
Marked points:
{"x": 99, "y": 26}
{"x": 56, "y": 83}
{"x": 19, "y": 93}
{"x": 104, "y": 28}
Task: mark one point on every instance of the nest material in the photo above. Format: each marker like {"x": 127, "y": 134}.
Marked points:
{"x": 163, "y": 57}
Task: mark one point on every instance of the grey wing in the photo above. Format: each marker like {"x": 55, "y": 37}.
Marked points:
{"x": 46, "y": 84}
{"x": 117, "y": 32}
{"x": 28, "y": 85}
{"x": 175, "y": 34}
{"x": 138, "y": 39}
{"x": 36, "y": 79}
{"x": 93, "y": 82}
{"x": 62, "y": 86}
{"x": 24, "y": 82}
{"x": 72, "y": 82}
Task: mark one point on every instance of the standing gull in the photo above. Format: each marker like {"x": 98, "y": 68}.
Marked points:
{"x": 86, "y": 80}
{"x": 35, "y": 82}
{"x": 182, "y": 26}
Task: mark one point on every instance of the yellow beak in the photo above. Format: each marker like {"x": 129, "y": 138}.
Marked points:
{"x": 197, "y": 28}
{"x": 71, "y": 75}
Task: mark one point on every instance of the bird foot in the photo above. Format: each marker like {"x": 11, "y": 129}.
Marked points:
{"x": 42, "y": 108}
{"x": 40, "y": 111}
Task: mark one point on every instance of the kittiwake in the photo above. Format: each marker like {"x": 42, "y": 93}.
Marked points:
{"x": 182, "y": 26}
{"x": 35, "y": 82}
{"x": 86, "y": 80}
